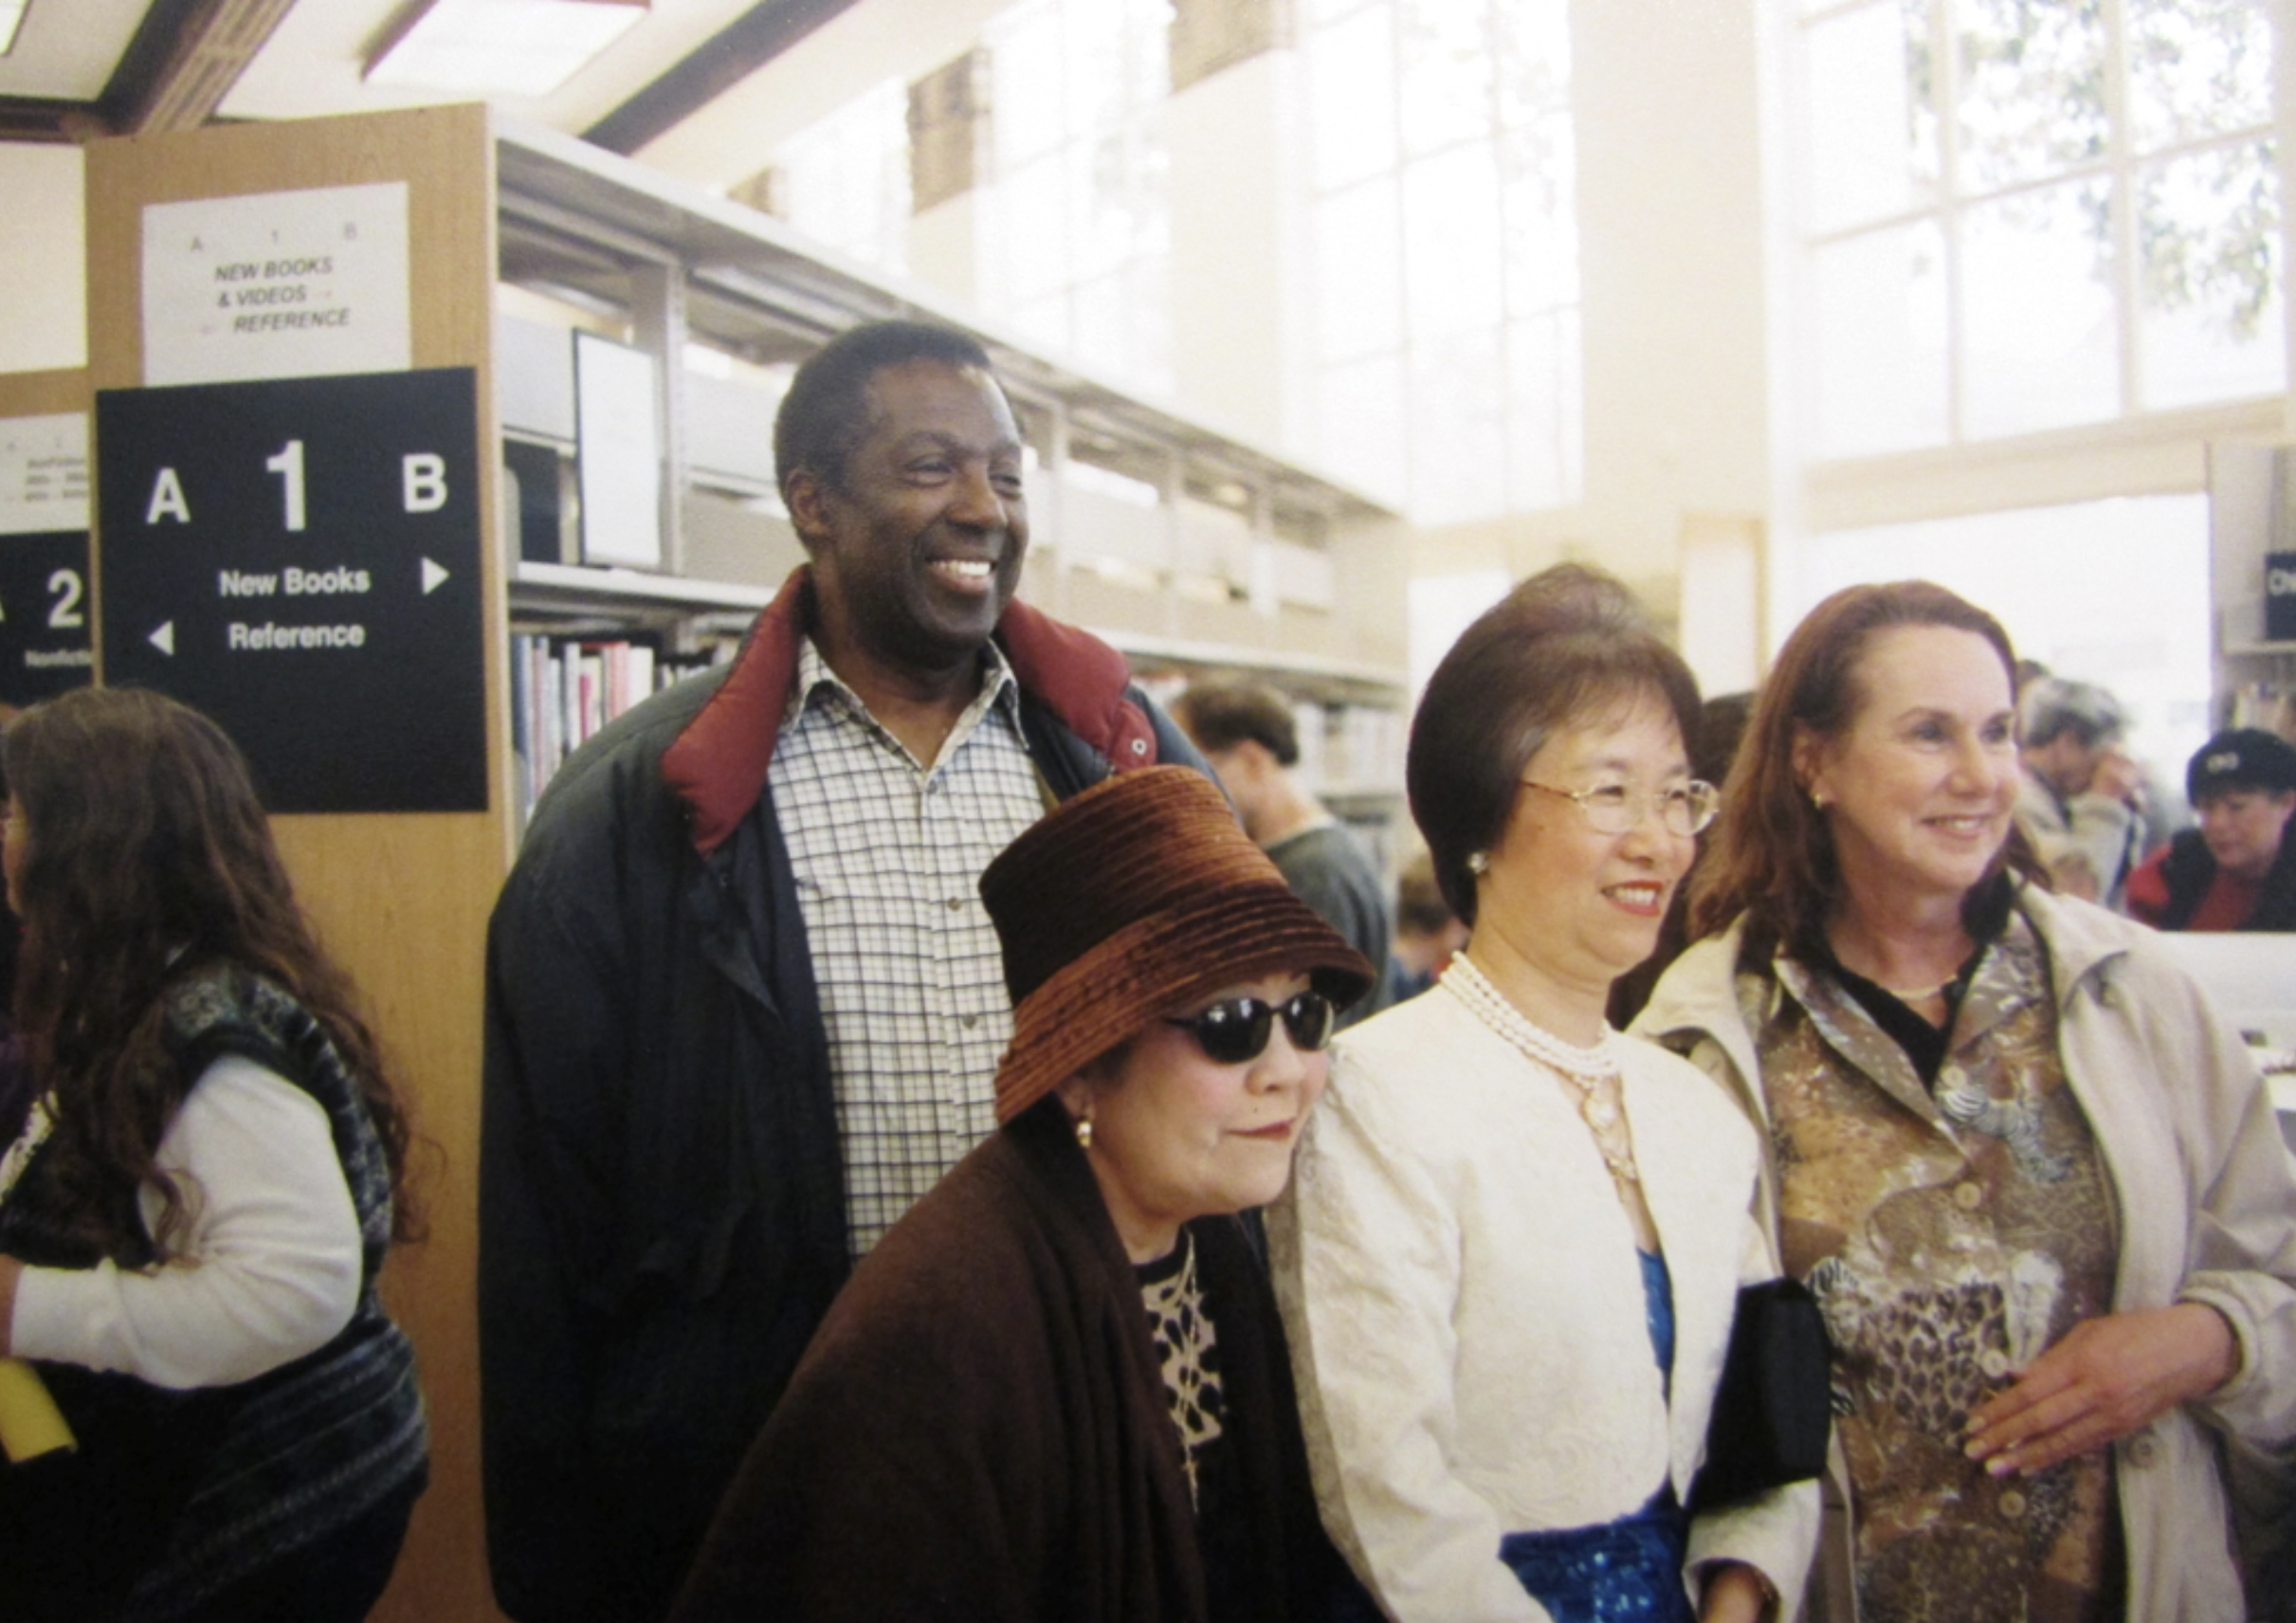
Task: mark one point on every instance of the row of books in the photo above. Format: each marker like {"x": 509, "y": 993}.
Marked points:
{"x": 564, "y": 689}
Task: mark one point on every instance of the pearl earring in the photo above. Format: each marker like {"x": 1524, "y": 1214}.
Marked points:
{"x": 1084, "y": 1131}
{"x": 1478, "y": 862}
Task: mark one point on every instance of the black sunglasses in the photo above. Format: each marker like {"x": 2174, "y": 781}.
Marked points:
{"x": 1236, "y": 1032}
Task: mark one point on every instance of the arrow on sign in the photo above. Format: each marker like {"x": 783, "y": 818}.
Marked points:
{"x": 434, "y": 577}
{"x": 164, "y": 639}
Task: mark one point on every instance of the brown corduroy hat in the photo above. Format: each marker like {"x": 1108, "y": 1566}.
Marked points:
{"x": 1129, "y": 901}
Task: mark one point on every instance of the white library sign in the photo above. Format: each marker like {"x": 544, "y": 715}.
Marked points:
{"x": 309, "y": 284}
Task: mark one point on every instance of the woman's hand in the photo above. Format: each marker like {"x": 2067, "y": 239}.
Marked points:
{"x": 1735, "y": 1593}
{"x": 2104, "y": 1380}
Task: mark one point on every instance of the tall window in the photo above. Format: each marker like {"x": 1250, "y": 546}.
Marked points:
{"x": 2059, "y": 580}
{"x": 1447, "y": 253}
{"x": 2025, "y": 214}
{"x": 845, "y": 179}
{"x": 1075, "y": 236}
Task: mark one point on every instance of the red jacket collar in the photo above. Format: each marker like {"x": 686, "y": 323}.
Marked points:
{"x": 718, "y": 765}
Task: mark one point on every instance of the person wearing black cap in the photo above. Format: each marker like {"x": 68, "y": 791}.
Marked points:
{"x": 2237, "y": 870}
{"x": 1058, "y": 1388}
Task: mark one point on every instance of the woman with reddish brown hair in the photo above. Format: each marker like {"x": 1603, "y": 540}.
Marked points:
{"x": 2030, "y": 1177}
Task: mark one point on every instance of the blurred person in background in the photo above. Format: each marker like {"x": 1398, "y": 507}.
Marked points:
{"x": 2237, "y": 870}
{"x": 2082, "y": 803}
{"x": 1250, "y": 735}
{"x": 1427, "y": 931}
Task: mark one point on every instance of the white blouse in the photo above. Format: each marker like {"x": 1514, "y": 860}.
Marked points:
{"x": 1464, "y": 1305}
{"x": 269, "y": 1261}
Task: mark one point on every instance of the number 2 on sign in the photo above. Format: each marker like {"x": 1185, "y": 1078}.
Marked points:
{"x": 288, "y": 464}
{"x": 63, "y": 615}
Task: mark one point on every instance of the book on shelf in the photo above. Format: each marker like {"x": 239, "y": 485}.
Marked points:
{"x": 565, "y": 689}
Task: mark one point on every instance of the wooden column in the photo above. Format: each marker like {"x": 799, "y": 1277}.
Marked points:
{"x": 401, "y": 900}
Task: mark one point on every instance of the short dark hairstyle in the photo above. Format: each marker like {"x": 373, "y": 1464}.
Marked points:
{"x": 1420, "y": 909}
{"x": 1558, "y": 648}
{"x": 1221, "y": 715}
{"x": 826, "y": 415}
{"x": 1771, "y": 855}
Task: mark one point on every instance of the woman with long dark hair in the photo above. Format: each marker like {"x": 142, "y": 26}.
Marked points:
{"x": 194, "y": 1216}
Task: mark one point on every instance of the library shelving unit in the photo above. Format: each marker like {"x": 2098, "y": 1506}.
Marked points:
{"x": 2251, "y": 517}
{"x": 1190, "y": 548}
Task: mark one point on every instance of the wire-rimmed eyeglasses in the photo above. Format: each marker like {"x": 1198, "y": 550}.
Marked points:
{"x": 1683, "y": 808}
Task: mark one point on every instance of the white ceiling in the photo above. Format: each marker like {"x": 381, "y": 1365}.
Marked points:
{"x": 312, "y": 62}
{"x": 68, "y": 49}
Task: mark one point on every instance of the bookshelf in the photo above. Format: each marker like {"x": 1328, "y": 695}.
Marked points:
{"x": 1190, "y": 547}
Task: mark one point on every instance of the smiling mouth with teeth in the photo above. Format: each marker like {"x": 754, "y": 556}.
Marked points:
{"x": 965, "y": 568}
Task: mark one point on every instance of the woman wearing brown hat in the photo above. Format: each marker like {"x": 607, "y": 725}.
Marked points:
{"x": 1510, "y": 1263}
{"x": 1058, "y": 1390}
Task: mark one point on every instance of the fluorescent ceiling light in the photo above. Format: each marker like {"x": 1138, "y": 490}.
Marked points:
{"x": 11, "y": 16}
{"x": 500, "y": 47}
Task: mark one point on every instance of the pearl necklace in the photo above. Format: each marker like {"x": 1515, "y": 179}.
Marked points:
{"x": 1585, "y": 1069}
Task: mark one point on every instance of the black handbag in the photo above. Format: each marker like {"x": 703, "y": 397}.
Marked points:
{"x": 1773, "y": 1404}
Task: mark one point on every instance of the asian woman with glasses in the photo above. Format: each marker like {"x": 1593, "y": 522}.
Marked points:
{"x": 1058, "y": 1389}
{"x": 1510, "y": 1261}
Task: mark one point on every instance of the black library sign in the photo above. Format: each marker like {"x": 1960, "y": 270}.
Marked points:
{"x": 299, "y": 558}
{"x": 46, "y": 646}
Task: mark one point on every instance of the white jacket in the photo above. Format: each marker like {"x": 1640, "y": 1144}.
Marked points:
{"x": 1461, "y": 1291}
{"x": 2206, "y": 1201}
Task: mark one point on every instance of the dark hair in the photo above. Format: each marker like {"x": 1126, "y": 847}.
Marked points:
{"x": 1221, "y": 715}
{"x": 1772, "y": 854}
{"x": 1420, "y": 909}
{"x": 149, "y": 861}
{"x": 1556, "y": 647}
{"x": 827, "y": 413}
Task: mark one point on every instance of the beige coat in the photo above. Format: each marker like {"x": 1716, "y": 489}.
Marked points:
{"x": 2205, "y": 1193}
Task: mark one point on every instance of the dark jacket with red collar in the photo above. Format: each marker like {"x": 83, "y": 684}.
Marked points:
{"x": 661, "y": 1205}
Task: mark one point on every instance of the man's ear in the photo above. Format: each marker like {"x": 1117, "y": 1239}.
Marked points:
{"x": 807, "y": 497}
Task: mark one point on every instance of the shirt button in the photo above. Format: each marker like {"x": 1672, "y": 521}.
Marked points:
{"x": 971, "y": 1021}
{"x": 1139, "y": 746}
{"x": 956, "y": 903}
{"x": 1968, "y": 1196}
{"x": 2012, "y": 1504}
{"x": 1994, "y": 1361}
{"x": 2143, "y": 1449}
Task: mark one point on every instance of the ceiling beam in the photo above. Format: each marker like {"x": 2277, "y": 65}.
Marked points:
{"x": 184, "y": 61}
{"x": 731, "y": 55}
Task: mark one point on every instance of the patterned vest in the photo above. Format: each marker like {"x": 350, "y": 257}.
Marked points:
{"x": 173, "y": 1495}
{"x": 1950, "y": 1238}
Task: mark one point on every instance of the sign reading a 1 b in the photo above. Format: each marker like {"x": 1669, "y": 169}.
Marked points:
{"x": 300, "y": 560}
